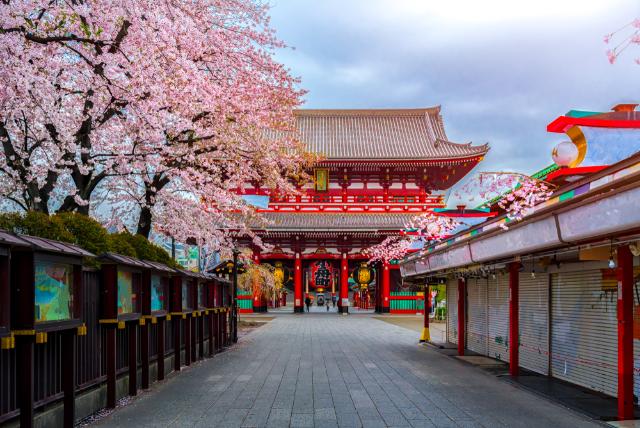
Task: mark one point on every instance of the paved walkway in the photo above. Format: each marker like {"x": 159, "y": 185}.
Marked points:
{"x": 330, "y": 370}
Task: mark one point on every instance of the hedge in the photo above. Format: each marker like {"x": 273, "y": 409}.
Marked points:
{"x": 85, "y": 232}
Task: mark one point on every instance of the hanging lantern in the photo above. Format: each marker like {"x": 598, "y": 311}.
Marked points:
{"x": 363, "y": 275}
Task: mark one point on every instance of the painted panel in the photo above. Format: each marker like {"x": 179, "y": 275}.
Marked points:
{"x": 53, "y": 291}
{"x": 125, "y": 292}
{"x": 157, "y": 293}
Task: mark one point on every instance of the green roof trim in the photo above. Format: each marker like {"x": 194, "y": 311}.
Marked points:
{"x": 567, "y": 195}
{"x": 581, "y": 113}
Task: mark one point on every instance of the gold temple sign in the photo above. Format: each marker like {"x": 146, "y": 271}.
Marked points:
{"x": 321, "y": 178}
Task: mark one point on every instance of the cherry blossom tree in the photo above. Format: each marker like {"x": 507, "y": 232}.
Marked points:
{"x": 168, "y": 108}
{"x": 426, "y": 227}
{"x": 624, "y": 37}
{"x": 514, "y": 193}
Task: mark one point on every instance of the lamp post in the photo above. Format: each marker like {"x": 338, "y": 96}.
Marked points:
{"x": 234, "y": 304}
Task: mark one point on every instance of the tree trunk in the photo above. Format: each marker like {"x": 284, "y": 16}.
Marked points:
{"x": 144, "y": 222}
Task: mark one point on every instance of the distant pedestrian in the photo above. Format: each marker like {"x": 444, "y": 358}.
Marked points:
{"x": 334, "y": 299}
{"x": 327, "y": 305}
{"x": 307, "y": 302}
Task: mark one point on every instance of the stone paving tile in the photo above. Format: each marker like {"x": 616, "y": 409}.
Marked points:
{"x": 333, "y": 371}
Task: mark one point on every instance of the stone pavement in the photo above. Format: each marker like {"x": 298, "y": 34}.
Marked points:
{"x": 319, "y": 370}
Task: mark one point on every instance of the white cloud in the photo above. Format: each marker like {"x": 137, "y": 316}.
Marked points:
{"x": 502, "y": 70}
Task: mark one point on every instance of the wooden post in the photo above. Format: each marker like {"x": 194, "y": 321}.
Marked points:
{"x": 133, "y": 359}
{"x": 160, "y": 351}
{"x": 24, "y": 366}
{"x": 298, "y": 303}
{"x": 462, "y": 297}
{"x": 212, "y": 349}
{"x": 625, "y": 334}
{"x": 110, "y": 333}
{"x": 234, "y": 300}
{"x": 175, "y": 323}
{"x": 201, "y": 335}
{"x": 514, "y": 318}
{"x": 225, "y": 337}
{"x": 187, "y": 342}
{"x": 144, "y": 354}
{"x": 69, "y": 376}
{"x": 194, "y": 337}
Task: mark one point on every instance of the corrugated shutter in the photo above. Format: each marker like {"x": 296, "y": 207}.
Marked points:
{"x": 584, "y": 331}
{"x": 498, "y": 314}
{"x": 452, "y": 311}
{"x": 636, "y": 330}
{"x": 477, "y": 331}
{"x": 534, "y": 322}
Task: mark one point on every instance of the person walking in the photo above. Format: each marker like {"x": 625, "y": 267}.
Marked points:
{"x": 327, "y": 305}
{"x": 307, "y": 302}
{"x": 334, "y": 299}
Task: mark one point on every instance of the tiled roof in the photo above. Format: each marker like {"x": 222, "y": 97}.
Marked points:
{"x": 380, "y": 134}
{"x": 334, "y": 221}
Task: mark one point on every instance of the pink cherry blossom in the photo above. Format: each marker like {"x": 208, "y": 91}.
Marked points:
{"x": 427, "y": 227}
{"x": 151, "y": 115}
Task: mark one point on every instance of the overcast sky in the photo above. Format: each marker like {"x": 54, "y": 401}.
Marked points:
{"x": 500, "y": 70}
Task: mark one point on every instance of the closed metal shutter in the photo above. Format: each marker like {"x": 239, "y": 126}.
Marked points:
{"x": 452, "y": 311}
{"x": 534, "y": 323}
{"x": 498, "y": 314}
{"x": 477, "y": 331}
{"x": 584, "y": 335}
{"x": 636, "y": 330}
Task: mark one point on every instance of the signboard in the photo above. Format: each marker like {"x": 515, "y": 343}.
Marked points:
{"x": 345, "y": 301}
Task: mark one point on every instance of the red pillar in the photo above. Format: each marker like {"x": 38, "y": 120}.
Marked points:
{"x": 385, "y": 298}
{"x": 514, "y": 319}
{"x": 298, "y": 305}
{"x": 344, "y": 283}
{"x": 462, "y": 292}
{"x": 625, "y": 334}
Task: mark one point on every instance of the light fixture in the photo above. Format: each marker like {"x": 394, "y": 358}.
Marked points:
{"x": 612, "y": 263}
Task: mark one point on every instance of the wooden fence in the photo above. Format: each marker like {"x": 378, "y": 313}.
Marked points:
{"x": 208, "y": 332}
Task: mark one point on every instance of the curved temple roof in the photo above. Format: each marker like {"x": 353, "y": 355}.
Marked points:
{"x": 398, "y": 134}
{"x": 287, "y": 221}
